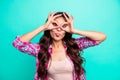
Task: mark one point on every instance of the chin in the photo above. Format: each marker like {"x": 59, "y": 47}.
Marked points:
{"x": 58, "y": 39}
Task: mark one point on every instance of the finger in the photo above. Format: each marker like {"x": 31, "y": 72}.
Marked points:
{"x": 53, "y": 13}
{"x": 57, "y": 16}
{"x": 64, "y": 24}
{"x": 62, "y": 28}
{"x": 70, "y": 17}
{"x": 50, "y": 13}
{"x": 55, "y": 27}
{"x": 65, "y": 17}
{"x": 51, "y": 16}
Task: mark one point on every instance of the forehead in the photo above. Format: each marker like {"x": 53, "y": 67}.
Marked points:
{"x": 60, "y": 20}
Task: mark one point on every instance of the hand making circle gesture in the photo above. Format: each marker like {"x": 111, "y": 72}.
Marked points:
{"x": 51, "y": 17}
{"x": 70, "y": 26}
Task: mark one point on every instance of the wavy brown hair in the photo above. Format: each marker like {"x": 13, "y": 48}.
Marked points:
{"x": 73, "y": 51}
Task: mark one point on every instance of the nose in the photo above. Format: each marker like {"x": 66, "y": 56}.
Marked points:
{"x": 59, "y": 29}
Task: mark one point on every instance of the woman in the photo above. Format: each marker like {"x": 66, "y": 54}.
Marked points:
{"x": 58, "y": 55}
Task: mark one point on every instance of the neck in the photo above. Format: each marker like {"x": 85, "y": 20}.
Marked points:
{"x": 57, "y": 44}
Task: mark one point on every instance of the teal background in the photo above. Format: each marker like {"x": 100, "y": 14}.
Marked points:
{"x": 18, "y": 17}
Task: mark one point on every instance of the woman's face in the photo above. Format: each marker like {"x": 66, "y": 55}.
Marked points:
{"x": 57, "y": 33}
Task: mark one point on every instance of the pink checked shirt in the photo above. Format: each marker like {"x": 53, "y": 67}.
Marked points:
{"x": 33, "y": 49}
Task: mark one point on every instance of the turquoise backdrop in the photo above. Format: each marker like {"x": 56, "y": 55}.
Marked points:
{"x": 18, "y": 17}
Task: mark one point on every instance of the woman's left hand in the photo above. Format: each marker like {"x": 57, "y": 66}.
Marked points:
{"x": 70, "y": 26}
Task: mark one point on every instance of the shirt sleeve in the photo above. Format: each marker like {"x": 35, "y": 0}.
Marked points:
{"x": 82, "y": 77}
{"x": 85, "y": 42}
{"x": 26, "y": 47}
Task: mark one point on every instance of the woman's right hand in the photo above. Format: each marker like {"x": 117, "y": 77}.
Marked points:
{"x": 48, "y": 25}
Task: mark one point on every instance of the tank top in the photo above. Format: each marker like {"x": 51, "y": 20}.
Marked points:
{"x": 60, "y": 70}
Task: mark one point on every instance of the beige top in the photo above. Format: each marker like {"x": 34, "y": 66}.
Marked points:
{"x": 60, "y": 70}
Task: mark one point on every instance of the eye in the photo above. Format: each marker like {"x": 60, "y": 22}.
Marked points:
{"x": 54, "y": 24}
{"x": 65, "y": 25}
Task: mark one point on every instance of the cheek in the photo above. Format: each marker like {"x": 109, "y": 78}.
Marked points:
{"x": 63, "y": 33}
{"x": 52, "y": 33}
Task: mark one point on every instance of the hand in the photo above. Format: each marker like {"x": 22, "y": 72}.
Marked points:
{"x": 69, "y": 27}
{"x": 48, "y": 25}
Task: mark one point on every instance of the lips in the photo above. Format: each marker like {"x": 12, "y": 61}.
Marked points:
{"x": 57, "y": 34}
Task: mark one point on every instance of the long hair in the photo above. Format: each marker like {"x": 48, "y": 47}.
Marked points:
{"x": 73, "y": 51}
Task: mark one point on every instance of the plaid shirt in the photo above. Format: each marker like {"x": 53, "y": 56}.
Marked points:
{"x": 33, "y": 49}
